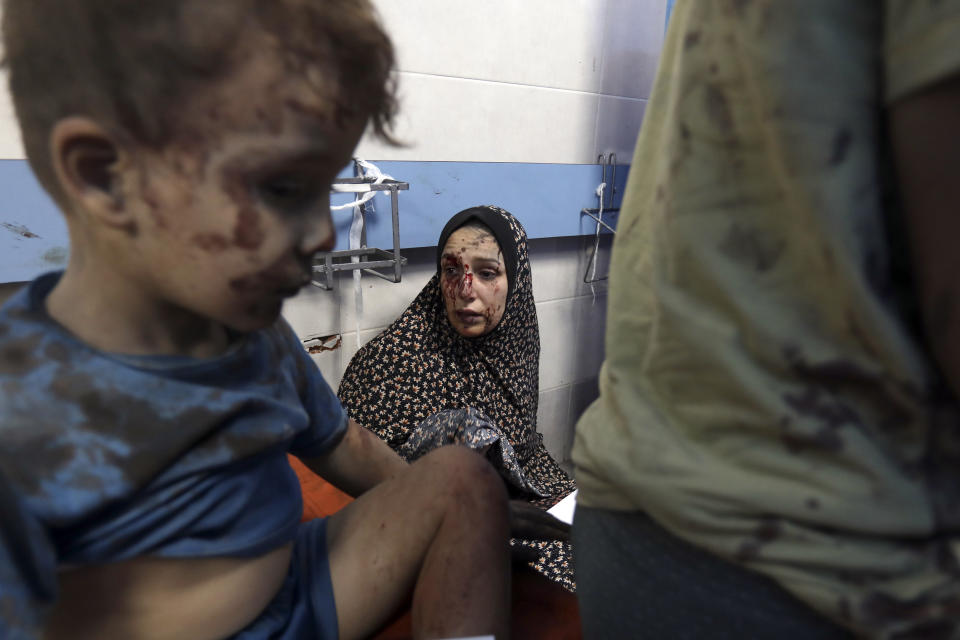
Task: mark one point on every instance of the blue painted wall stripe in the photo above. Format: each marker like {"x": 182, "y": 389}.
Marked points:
{"x": 547, "y": 198}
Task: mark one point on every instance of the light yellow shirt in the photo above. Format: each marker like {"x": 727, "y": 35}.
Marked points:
{"x": 765, "y": 394}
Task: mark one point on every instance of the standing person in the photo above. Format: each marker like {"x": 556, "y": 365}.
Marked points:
{"x": 149, "y": 393}
{"x": 775, "y": 452}
{"x": 461, "y": 366}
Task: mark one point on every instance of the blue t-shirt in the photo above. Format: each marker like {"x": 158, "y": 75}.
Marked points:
{"x": 105, "y": 457}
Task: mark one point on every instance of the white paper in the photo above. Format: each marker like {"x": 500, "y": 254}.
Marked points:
{"x": 564, "y": 509}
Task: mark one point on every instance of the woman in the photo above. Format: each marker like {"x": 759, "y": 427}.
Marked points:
{"x": 461, "y": 365}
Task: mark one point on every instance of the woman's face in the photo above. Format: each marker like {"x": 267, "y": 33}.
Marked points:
{"x": 473, "y": 281}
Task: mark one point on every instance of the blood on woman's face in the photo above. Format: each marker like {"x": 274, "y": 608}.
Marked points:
{"x": 473, "y": 281}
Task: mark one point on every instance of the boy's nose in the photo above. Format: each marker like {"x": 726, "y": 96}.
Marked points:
{"x": 319, "y": 234}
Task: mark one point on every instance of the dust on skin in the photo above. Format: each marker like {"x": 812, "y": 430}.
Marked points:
{"x": 261, "y": 280}
{"x": 211, "y": 242}
{"x": 248, "y": 234}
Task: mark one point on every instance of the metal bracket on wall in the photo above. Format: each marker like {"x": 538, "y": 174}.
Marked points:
{"x": 370, "y": 258}
{"x": 608, "y": 161}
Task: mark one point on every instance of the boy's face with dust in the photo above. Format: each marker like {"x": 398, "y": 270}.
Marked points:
{"x": 229, "y": 214}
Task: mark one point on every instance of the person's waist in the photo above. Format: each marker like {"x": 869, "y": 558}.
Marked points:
{"x": 150, "y": 597}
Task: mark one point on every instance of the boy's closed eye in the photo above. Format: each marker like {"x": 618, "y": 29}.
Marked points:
{"x": 290, "y": 193}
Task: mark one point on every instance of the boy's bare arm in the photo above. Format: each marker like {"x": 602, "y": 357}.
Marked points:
{"x": 359, "y": 462}
{"x": 925, "y": 130}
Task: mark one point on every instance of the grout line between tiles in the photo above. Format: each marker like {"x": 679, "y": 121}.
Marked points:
{"x": 520, "y": 84}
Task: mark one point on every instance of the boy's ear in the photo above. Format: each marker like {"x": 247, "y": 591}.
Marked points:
{"x": 86, "y": 159}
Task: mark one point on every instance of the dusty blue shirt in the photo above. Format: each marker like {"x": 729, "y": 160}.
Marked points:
{"x": 106, "y": 457}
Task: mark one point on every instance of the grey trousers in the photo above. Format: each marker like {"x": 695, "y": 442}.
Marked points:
{"x": 636, "y": 580}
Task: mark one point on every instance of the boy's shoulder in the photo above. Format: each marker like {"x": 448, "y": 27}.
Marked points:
{"x": 79, "y": 426}
{"x": 23, "y": 335}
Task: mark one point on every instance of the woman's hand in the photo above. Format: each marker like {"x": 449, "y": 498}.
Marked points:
{"x": 533, "y": 523}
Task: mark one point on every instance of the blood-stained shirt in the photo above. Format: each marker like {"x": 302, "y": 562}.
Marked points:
{"x": 106, "y": 457}
{"x": 766, "y": 393}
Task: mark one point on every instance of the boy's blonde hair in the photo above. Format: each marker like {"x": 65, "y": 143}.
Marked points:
{"x": 131, "y": 65}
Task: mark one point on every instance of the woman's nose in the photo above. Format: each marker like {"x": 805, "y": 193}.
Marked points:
{"x": 465, "y": 290}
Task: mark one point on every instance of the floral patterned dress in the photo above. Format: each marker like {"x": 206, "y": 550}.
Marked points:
{"x": 420, "y": 385}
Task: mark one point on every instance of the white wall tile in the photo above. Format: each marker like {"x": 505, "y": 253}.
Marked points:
{"x": 557, "y": 320}
{"x": 11, "y": 145}
{"x": 553, "y": 420}
{"x": 313, "y": 312}
{"x": 601, "y": 273}
{"x": 559, "y": 265}
{"x": 319, "y": 312}
{"x": 452, "y": 119}
{"x": 618, "y": 125}
{"x": 383, "y": 301}
{"x": 582, "y": 394}
{"x": 588, "y": 345}
{"x": 554, "y": 265}
{"x": 535, "y": 42}
{"x": 632, "y": 40}
{"x": 332, "y": 364}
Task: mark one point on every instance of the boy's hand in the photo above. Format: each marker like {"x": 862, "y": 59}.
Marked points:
{"x": 533, "y": 523}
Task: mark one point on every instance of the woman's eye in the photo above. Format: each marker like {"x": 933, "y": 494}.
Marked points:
{"x": 450, "y": 271}
{"x": 486, "y": 274}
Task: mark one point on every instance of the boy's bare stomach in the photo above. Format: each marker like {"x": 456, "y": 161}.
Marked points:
{"x": 159, "y": 598}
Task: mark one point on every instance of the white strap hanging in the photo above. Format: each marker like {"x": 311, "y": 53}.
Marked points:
{"x": 596, "y": 244}
{"x": 368, "y": 170}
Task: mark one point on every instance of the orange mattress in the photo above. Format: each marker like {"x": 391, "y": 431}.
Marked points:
{"x": 541, "y": 609}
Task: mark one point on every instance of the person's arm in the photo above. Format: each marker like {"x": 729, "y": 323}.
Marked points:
{"x": 925, "y": 131}
{"x": 359, "y": 462}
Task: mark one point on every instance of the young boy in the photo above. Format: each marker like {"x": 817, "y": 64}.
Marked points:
{"x": 150, "y": 392}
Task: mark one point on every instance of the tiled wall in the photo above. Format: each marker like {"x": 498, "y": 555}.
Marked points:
{"x": 571, "y": 321}
{"x": 553, "y": 81}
